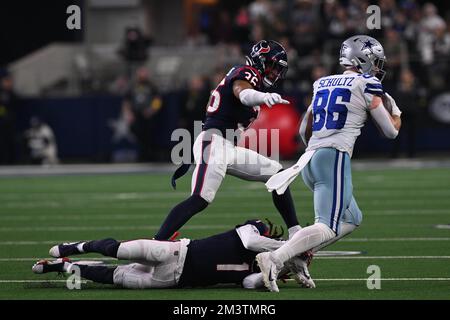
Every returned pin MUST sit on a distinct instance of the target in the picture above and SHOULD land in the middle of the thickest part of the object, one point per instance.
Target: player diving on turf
(234, 105)
(338, 111)
(228, 257)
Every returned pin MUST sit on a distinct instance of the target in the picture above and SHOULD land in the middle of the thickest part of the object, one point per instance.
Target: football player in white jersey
(340, 107)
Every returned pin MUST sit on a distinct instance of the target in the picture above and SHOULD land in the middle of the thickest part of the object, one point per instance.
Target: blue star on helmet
(367, 45)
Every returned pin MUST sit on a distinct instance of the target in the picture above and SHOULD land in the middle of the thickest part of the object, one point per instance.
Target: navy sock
(107, 247)
(285, 205)
(99, 274)
(179, 215)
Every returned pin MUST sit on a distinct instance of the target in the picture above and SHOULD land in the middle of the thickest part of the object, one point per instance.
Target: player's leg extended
(206, 179)
(350, 221)
(99, 274)
(107, 247)
(252, 166)
(352, 216)
(327, 171)
(161, 263)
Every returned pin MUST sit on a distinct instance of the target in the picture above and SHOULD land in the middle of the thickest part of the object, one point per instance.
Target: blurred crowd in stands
(415, 35)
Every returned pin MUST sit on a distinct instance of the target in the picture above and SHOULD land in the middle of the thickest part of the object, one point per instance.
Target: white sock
(80, 246)
(293, 230)
(303, 240)
(344, 229)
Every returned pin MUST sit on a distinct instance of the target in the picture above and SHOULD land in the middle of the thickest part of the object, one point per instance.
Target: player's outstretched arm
(250, 97)
(253, 241)
(388, 123)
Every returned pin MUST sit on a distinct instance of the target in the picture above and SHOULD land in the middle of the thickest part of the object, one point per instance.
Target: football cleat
(65, 249)
(45, 266)
(299, 268)
(269, 269)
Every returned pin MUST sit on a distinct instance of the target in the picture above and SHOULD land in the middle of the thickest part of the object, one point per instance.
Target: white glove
(251, 97)
(271, 99)
(395, 109)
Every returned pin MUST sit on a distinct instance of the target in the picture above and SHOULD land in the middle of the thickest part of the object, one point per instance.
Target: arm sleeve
(254, 241)
(383, 120)
(251, 97)
(304, 125)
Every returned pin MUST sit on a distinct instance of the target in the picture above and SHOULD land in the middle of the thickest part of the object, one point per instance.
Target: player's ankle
(293, 230)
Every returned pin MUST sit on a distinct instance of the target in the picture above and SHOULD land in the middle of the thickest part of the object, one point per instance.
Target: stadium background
(76, 81)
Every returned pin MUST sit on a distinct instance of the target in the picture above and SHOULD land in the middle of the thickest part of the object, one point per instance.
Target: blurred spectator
(396, 51)
(8, 106)
(429, 24)
(142, 102)
(439, 69)
(41, 143)
(407, 96)
(260, 10)
(196, 99)
(304, 18)
(242, 26)
(134, 48)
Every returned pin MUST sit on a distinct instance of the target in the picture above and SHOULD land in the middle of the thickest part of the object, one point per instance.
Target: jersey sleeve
(254, 241)
(372, 86)
(246, 73)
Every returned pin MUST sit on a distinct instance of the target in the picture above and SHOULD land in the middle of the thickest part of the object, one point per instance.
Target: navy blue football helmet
(270, 59)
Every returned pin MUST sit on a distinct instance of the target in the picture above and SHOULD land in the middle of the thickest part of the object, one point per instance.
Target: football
(387, 103)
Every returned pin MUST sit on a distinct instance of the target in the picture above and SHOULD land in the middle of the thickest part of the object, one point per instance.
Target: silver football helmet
(365, 53)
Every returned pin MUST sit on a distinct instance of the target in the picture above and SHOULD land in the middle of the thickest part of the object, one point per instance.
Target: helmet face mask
(270, 59)
(274, 71)
(364, 53)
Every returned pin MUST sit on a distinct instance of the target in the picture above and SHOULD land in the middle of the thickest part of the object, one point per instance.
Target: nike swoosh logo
(270, 274)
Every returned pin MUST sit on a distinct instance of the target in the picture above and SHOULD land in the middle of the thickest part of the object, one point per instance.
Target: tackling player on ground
(233, 106)
(228, 257)
(339, 109)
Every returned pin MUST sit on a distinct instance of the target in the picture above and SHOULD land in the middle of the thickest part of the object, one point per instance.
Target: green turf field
(400, 207)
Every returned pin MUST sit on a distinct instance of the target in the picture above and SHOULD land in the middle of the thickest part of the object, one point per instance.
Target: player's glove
(271, 99)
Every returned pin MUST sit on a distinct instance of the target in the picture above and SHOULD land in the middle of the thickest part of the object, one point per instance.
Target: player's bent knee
(129, 277)
(353, 214)
(327, 232)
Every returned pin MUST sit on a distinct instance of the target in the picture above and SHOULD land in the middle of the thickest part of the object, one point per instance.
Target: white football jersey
(340, 105)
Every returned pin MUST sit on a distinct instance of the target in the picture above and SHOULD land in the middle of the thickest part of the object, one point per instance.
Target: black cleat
(65, 249)
(45, 266)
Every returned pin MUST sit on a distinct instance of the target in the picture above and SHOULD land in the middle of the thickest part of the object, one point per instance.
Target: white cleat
(269, 270)
(299, 267)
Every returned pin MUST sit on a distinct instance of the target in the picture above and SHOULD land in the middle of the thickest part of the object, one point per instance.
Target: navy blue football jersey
(224, 110)
(218, 259)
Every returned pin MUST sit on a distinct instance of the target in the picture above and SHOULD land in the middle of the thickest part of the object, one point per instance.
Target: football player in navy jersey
(228, 257)
(233, 106)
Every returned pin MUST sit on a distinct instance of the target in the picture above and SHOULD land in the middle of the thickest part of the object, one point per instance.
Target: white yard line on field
(67, 217)
(106, 228)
